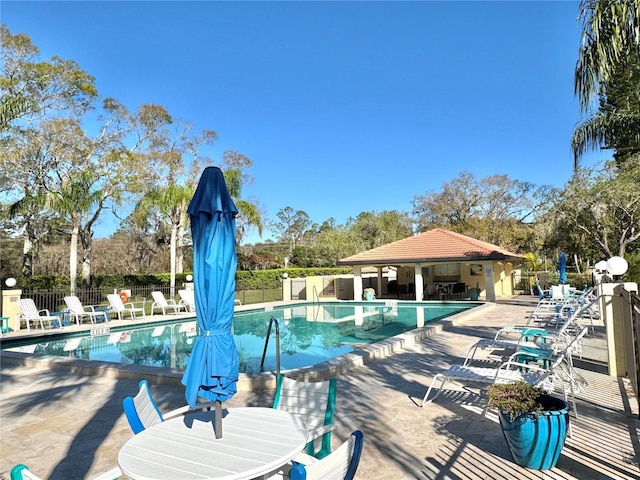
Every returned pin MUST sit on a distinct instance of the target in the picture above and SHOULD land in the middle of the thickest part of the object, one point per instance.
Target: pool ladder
(272, 321)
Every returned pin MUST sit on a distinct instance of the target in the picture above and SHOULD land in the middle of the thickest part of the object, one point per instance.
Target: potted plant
(369, 294)
(533, 422)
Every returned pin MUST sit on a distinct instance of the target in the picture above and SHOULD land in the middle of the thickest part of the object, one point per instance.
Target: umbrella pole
(218, 421)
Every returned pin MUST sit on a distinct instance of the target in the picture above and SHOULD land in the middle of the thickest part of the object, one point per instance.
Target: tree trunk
(73, 255)
(87, 242)
(180, 250)
(27, 258)
(174, 236)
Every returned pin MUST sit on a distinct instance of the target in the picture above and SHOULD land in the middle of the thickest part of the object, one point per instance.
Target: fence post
(11, 307)
(616, 313)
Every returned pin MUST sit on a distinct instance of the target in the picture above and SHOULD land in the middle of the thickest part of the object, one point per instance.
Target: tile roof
(437, 245)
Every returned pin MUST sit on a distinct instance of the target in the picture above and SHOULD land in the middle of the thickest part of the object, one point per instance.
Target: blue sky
(343, 107)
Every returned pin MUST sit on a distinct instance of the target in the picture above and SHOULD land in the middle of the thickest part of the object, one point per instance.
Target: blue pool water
(309, 334)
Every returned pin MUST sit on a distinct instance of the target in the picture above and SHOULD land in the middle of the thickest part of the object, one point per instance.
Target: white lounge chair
(536, 338)
(513, 371)
(162, 303)
(117, 306)
(78, 311)
(30, 314)
(187, 299)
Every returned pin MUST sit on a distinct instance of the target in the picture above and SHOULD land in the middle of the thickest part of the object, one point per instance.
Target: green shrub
(516, 399)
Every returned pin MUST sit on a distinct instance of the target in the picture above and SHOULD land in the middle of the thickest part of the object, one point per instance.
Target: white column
(357, 283)
(11, 307)
(286, 289)
(612, 308)
(418, 282)
(489, 283)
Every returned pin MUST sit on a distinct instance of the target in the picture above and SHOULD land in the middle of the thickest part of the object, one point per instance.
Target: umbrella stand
(218, 420)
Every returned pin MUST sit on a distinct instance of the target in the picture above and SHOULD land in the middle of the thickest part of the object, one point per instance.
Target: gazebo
(442, 260)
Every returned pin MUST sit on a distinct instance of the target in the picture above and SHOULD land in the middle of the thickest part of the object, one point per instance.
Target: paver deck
(71, 426)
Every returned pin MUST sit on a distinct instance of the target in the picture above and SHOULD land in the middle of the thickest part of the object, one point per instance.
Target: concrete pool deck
(67, 424)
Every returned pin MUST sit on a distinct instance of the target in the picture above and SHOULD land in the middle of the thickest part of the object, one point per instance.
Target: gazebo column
(357, 282)
(379, 292)
(419, 283)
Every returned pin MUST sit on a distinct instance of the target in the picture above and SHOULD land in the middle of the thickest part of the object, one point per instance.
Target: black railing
(53, 300)
(635, 328)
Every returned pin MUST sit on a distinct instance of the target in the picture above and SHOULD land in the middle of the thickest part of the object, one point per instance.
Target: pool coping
(248, 381)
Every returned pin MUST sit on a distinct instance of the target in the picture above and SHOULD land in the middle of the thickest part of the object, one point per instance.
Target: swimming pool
(309, 334)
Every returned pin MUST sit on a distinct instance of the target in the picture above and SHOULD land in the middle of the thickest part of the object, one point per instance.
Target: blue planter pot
(536, 442)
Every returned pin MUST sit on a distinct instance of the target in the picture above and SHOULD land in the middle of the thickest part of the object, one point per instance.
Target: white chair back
(74, 305)
(158, 297)
(116, 302)
(28, 308)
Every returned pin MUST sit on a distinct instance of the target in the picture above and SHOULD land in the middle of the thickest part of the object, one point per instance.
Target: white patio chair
(78, 311)
(30, 314)
(513, 370)
(341, 464)
(536, 338)
(159, 301)
(314, 402)
(117, 306)
(142, 412)
(187, 299)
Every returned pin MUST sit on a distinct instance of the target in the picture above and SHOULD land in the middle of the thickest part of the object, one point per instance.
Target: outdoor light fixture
(601, 266)
(285, 275)
(10, 282)
(189, 278)
(617, 266)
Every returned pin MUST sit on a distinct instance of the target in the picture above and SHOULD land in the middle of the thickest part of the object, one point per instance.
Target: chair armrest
(304, 459)
(533, 331)
(112, 474)
(187, 409)
(319, 431)
(45, 311)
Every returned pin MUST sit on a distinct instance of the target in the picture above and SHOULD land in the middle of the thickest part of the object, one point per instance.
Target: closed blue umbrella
(563, 268)
(213, 369)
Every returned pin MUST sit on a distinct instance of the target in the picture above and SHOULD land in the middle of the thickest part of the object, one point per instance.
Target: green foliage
(61, 282)
(259, 279)
(599, 208)
(493, 209)
(608, 66)
(633, 274)
(516, 399)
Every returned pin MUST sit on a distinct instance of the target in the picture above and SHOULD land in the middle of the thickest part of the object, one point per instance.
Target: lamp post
(617, 266)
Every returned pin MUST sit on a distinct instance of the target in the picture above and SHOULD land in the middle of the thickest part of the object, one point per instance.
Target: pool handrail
(272, 321)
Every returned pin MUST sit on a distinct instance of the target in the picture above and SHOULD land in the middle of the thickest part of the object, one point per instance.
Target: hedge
(245, 279)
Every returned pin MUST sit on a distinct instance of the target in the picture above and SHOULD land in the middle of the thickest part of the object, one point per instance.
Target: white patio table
(255, 442)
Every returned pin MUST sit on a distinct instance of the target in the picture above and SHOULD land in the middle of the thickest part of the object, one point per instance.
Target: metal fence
(524, 282)
(53, 300)
(634, 368)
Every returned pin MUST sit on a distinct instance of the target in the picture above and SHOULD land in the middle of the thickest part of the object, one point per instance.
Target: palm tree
(610, 30)
(608, 62)
(171, 202)
(249, 215)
